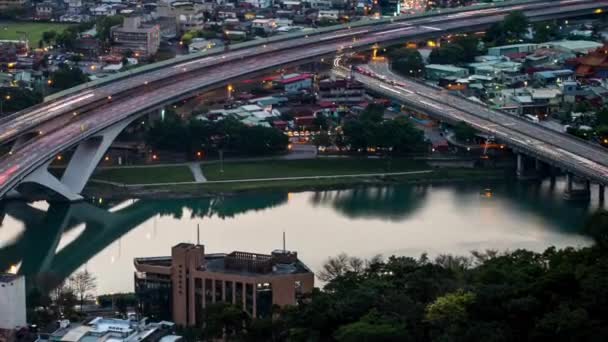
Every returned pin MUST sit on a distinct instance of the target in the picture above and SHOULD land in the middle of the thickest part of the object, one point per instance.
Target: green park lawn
(146, 175)
(308, 167)
(10, 30)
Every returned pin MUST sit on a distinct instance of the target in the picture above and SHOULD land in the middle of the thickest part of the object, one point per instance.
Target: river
(52, 241)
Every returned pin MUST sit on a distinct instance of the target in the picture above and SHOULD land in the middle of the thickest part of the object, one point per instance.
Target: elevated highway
(561, 150)
(92, 118)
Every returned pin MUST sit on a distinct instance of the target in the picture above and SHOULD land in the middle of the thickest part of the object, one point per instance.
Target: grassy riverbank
(146, 175)
(309, 168)
(275, 175)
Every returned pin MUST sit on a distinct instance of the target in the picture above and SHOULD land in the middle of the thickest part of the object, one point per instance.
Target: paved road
(195, 168)
(76, 104)
(255, 180)
(554, 147)
(196, 75)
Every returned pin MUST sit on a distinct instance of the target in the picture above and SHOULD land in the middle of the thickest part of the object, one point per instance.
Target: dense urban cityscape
(303, 170)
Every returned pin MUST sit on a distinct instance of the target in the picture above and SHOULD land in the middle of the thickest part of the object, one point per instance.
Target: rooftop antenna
(284, 250)
(198, 235)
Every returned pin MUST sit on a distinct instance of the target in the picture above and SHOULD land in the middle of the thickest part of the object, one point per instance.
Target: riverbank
(292, 176)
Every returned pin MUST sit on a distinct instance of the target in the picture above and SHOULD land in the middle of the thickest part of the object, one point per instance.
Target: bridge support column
(576, 194)
(88, 154)
(82, 164)
(521, 167)
(43, 177)
(539, 166)
(522, 172)
(601, 193)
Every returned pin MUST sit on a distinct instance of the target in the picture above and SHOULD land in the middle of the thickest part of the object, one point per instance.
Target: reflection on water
(50, 242)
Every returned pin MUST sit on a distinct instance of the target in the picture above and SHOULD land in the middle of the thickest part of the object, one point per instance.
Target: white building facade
(12, 301)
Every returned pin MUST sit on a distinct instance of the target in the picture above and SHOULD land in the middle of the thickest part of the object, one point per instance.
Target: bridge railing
(304, 33)
(565, 164)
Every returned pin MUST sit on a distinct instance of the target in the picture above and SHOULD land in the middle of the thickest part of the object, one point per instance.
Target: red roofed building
(293, 83)
(304, 121)
(594, 64)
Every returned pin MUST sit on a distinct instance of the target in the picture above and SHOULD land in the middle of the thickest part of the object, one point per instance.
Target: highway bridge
(91, 118)
(563, 151)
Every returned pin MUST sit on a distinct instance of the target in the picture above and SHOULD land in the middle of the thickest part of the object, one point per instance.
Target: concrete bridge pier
(575, 193)
(523, 173)
(601, 193)
(88, 154)
(81, 166)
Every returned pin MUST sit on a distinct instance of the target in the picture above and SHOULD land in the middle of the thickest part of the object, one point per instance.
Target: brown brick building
(189, 280)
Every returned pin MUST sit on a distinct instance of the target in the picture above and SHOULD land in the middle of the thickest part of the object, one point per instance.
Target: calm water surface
(55, 241)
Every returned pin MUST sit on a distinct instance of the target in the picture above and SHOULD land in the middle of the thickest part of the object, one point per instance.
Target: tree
(339, 265)
(601, 116)
(515, 25)
(83, 283)
(321, 121)
(545, 31)
(17, 98)
(450, 54)
(495, 34)
(67, 38)
(372, 113)
(67, 77)
(407, 62)
(464, 132)
(223, 319)
(48, 36)
(104, 25)
(187, 38)
(449, 308)
(597, 227)
(365, 331)
(322, 139)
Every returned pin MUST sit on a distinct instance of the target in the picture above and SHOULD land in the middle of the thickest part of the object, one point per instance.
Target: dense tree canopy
(461, 50)
(17, 98)
(371, 131)
(67, 77)
(229, 135)
(407, 61)
(556, 295)
(513, 28)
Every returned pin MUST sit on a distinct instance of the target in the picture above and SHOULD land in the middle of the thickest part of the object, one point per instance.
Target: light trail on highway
(25, 120)
(40, 150)
(550, 146)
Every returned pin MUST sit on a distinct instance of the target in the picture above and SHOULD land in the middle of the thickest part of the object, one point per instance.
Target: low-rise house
(48, 9)
(574, 46)
(293, 83)
(328, 15)
(514, 48)
(435, 72)
(592, 65)
(103, 11)
(548, 77)
(265, 25)
(259, 3)
(111, 329)
(341, 91)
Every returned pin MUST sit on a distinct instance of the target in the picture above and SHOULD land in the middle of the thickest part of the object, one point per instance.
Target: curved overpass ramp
(93, 131)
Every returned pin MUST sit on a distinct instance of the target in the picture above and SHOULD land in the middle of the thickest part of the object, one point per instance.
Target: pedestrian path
(195, 168)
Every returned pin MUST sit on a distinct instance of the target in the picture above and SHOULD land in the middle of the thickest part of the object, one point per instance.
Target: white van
(532, 118)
